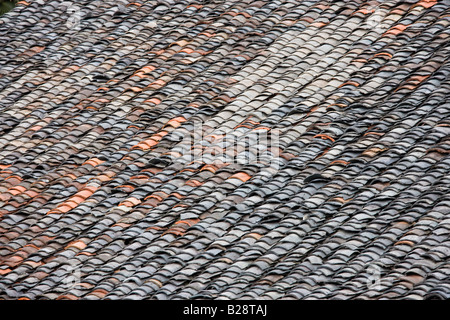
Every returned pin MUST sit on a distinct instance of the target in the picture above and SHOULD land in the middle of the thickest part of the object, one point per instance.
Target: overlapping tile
(132, 165)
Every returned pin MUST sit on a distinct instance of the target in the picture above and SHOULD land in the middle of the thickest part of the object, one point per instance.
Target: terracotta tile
(397, 29)
(4, 271)
(80, 245)
(241, 176)
(426, 3)
(324, 137)
(68, 297)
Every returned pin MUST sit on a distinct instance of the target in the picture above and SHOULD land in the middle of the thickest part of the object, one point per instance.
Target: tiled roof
(101, 199)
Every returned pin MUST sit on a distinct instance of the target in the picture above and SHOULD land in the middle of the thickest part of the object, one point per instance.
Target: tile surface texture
(100, 198)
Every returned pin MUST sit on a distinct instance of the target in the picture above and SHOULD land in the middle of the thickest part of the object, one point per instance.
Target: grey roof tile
(95, 174)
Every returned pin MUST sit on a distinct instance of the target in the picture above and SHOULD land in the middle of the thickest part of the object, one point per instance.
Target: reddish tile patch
(374, 133)
(122, 225)
(364, 11)
(209, 35)
(241, 176)
(17, 190)
(426, 3)
(340, 161)
(156, 228)
(176, 122)
(80, 245)
(157, 84)
(417, 79)
(33, 264)
(74, 201)
(177, 195)
(341, 200)
(324, 137)
(187, 50)
(159, 195)
(319, 24)
(135, 89)
(353, 83)
(37, 49)
(100, 293)
(154, 101)
(70, 69)
(93, 162)
(157, 282)
(4, 271)
(130, 202)
(68, 297)
(189, 222)
(382, 54)
(373, 151)
(194, 183)
(397, 29)
(405, 242)
(85, 253)
(253, 235)
(178, 231)
(146, 69)
(13, 261)
(151, 142)
(196, 6)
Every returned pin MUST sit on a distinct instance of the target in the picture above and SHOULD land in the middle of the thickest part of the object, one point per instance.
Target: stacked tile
(100, 198)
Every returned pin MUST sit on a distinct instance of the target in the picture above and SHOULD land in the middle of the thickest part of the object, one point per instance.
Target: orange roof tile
(80, 245)
(241, 176)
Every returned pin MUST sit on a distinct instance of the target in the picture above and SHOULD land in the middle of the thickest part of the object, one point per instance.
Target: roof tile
(136, 151)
